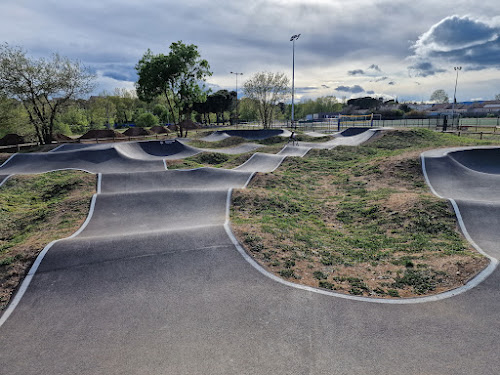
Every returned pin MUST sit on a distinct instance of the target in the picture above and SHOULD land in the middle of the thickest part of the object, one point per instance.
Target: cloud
(381, 79)
(119, 72)
(457, 40)
(356, 89)
(392, 83)
(374, 67)
(356, 72)
(371, 92)
(424, 69)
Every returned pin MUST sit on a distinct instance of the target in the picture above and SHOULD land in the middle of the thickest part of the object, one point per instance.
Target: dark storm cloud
(356, 89)
(424, 69)
(374, 67)
(457, 40)
(118, 72)
(356, 72)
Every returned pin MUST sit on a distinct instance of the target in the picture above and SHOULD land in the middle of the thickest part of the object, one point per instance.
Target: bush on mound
(11, 139)
(133, 132)
(102, 133)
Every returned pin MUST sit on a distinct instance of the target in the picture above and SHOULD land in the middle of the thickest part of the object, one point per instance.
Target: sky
(395, 49)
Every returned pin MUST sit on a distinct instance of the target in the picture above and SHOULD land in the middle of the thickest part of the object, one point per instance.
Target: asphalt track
(252, 135)
(154, 284)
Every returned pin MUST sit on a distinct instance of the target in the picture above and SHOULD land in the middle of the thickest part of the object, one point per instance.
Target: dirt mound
(58, 137)
(158, 129)
(188, 125)
(133, 132)
(102, 133)
(11, 139)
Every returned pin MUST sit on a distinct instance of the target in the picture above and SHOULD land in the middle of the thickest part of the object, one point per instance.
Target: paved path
(154, 285)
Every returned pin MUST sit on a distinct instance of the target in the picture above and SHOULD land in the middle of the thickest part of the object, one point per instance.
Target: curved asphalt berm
(470, 177)
(153, 285)
(252, 135)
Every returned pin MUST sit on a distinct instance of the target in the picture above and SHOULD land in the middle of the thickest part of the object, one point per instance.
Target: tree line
(42, 97)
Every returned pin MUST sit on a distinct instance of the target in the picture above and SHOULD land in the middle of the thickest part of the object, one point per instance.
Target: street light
(293, 39)
(236, 74)
(457, 69)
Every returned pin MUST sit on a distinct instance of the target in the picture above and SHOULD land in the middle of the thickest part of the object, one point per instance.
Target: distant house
(469, 108)
(321, 116)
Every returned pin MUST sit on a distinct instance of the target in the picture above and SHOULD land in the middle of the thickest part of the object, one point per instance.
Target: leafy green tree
(440, 96)
(220, 102)
(42, 85)
(267, 90)
(326, 104)
(177, 76)
(146, 120)
(125, 102)
(248, 110)
(74, 118)
(14, 119)
(101, 111)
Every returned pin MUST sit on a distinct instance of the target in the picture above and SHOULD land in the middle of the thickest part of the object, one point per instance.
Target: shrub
(146, 119)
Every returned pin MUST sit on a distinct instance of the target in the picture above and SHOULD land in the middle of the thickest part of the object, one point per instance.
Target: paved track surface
(154, 285)
(247, 134)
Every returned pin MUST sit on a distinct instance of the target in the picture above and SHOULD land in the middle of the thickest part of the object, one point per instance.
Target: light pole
(293, 39)
(457, 69)
(236, 74)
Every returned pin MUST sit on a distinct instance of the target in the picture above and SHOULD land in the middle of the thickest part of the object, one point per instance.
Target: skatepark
(155, 283)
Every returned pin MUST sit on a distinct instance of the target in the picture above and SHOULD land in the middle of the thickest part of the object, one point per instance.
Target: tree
(247, 109)
(43, 86)
(176, 76)
(101, 111)
(497, 97)
(146, 120)
(439, 96)
(74, 118)
(13, 118)
(267, 89)
(220, 102)
(125, 102)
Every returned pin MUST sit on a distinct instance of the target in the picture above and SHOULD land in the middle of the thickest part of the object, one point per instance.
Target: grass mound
(359, 220)
(35, 210)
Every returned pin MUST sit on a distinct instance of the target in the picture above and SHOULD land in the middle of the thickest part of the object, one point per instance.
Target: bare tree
(267, 89)
(43, 86)
(439, 96)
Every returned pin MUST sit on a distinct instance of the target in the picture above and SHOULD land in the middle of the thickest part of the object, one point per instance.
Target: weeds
(359, 211)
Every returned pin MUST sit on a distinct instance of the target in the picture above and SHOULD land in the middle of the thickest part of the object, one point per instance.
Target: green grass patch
(35, 210)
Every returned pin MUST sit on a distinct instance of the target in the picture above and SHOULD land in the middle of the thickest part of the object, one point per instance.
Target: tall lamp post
(293, 39)
(236, 74)
(457, 69)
